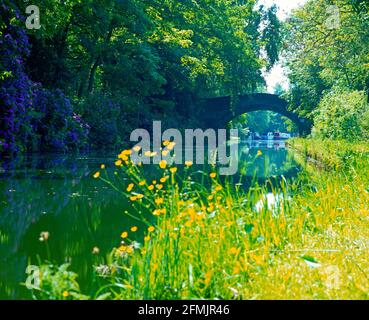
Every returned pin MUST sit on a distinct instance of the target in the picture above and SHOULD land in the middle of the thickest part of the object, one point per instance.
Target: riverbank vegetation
(213, 240)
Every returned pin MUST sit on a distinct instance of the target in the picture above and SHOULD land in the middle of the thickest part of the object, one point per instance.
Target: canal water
(82, 216)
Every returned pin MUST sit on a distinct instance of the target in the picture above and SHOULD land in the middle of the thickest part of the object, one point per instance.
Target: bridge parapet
(216, 112)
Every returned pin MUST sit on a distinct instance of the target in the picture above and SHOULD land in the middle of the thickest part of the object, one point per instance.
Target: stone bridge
(216, 112)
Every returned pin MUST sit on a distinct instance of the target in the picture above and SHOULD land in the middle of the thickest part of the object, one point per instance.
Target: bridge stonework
(216, 112)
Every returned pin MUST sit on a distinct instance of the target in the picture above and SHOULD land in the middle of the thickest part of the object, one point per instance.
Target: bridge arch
(216, 112)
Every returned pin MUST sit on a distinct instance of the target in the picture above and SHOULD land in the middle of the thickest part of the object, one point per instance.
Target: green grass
(208, 241)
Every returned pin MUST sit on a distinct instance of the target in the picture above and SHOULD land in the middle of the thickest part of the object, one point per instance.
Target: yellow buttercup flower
(118, 163)
(159, 186)
(65, 294)
(171, 146)
(159, 201)
(173, 170)
(234, 251)
(133, 198)
(123, 157)
(126, 152)
(142, 183)
(147, 238)
(124, 235)
(122, 248)
(137, 148)
(96, 175)
(134, 229)
(260, 153)
(188, 163)
(166, 143)
(163, 164)
(150, 229)
(147, 153)
(164, 179)
(139, 196)
(150, 187)
(130, 187)
(165, 153)
(213, 175)
(102, 166)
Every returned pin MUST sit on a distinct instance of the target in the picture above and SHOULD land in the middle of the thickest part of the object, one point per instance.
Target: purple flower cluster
(31, 117)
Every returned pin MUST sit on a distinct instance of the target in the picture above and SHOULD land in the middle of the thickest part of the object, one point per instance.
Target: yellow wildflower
(165, 153)
(260, 153)
(96, 175)
(136, 148)
(159, 201)
(163, 164)
(118, 163)
(130, 187)
(213, 175)
(102, 166)
(173, 170)
(159, 186)
(147, 238)
(122, 248)
(65, 294)
(124, 235)
(151, 187)
(188, 163)
(126, 152)
(123, 157)
(134, 229)
(171, 146)
(147, 153)
(151, 229)
(164, 179)
(142, 183)
(234, 251)
(166, 143)
(133, 198)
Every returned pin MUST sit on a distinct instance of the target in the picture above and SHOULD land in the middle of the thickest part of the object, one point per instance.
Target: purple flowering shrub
(31, 117)
(15, 86)
(55, 125)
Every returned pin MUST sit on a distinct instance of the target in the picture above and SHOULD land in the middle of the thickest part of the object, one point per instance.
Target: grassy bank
(214, 240)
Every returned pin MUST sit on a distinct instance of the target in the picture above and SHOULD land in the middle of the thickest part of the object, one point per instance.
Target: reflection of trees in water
(274, 161)
(50, 195)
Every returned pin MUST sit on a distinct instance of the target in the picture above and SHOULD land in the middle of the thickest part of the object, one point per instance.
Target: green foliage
(49, 282)
(322, 56)
(263, 122)
(340, 116)
(151, 57)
